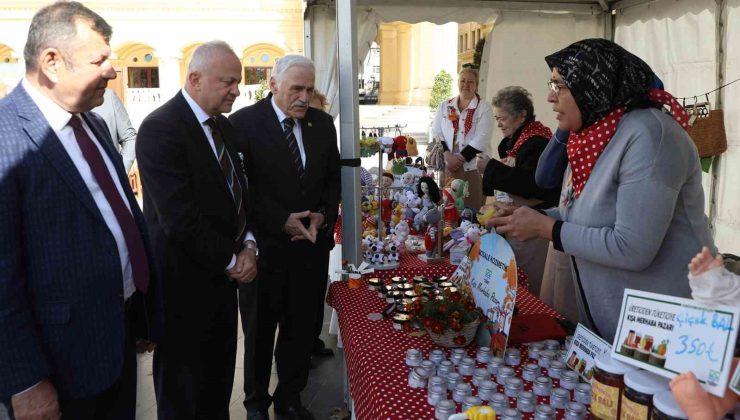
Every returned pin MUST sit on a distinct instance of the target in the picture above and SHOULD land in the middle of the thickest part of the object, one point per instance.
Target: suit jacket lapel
(41, 134)
(309, 146)
(276, 135)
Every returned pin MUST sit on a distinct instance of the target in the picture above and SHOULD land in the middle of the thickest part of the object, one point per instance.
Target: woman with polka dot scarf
(632, 206)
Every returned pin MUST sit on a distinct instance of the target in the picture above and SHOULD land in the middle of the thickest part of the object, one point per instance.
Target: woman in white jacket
(464, 124)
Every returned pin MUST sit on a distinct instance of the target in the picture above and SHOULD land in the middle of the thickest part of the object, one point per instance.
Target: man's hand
(38, 403)
(145, 346)
(523, 224)
(294, 227)
(453, 162)
(317, 221)
(245, 269)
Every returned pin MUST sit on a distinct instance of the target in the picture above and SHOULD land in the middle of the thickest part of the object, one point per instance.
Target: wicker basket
(708, 132)
(446, 339)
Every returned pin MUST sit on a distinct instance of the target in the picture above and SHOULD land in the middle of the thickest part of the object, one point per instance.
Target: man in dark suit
(293, 167)
(78, 292)
(195, 203)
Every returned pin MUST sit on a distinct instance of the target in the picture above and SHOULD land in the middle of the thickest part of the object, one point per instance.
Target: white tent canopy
(684, 41)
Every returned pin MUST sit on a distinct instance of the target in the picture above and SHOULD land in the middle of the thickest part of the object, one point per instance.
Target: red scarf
(533, 129)
(452, 116)
(584, 148)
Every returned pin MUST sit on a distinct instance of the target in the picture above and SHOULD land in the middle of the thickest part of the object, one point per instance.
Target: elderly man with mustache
(292, 164)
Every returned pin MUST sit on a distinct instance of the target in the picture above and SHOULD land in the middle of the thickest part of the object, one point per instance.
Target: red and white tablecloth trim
(375, 352)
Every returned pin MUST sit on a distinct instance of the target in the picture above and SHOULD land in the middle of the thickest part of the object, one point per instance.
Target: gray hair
(284, 63)
(204, 54)
(54, 26)
(515, 100)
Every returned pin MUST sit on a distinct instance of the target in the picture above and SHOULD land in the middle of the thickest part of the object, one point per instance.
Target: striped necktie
(227, 167)
(288, 124)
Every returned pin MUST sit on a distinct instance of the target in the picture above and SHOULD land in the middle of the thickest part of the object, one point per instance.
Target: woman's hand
(453, 162)
(523, 224)
(481, 161)
(503, 209)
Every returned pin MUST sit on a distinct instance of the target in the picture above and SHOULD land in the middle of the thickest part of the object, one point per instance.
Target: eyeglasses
(556, 86)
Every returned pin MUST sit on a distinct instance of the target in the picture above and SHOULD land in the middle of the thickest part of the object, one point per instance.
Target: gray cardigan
(640, 218)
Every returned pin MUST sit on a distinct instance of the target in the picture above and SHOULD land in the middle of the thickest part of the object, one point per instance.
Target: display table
(374, 351)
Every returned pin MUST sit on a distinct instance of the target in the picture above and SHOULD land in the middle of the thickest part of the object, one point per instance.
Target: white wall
(677, 38)
(518, 45)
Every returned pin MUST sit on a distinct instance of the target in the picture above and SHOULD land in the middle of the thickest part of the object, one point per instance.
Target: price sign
(669, 335)
(583, 351)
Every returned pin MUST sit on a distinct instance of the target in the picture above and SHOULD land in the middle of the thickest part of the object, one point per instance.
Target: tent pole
(721, 57)
(349, 128)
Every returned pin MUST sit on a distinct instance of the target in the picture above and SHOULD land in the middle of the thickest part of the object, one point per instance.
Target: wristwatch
(252, 245)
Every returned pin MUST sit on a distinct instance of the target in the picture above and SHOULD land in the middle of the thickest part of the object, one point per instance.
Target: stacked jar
(637, 398)
(666, 408)
(607, 386)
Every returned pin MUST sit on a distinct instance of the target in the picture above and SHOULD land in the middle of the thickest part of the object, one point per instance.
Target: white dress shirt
(58, 120)
(479, 136)
(202, 118)
(296, 129)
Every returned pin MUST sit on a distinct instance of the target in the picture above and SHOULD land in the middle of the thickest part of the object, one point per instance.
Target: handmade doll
(407, 181)
(429, 193)
(411, 146)
(432, 217)
(451, 215)
(711, 284)
(399, 147)
(459, 190)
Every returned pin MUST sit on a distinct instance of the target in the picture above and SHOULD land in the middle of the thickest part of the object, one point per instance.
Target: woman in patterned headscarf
(631, 211)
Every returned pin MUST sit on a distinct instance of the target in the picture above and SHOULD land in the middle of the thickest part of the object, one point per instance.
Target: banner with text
(668, 335)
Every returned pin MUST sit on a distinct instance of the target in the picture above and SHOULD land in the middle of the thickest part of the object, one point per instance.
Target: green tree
(441, 89)
(478, 54)
(261, 90)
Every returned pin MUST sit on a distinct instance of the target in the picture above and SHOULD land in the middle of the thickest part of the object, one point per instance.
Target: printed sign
(489, 273)
(583, 351)
(669, 335)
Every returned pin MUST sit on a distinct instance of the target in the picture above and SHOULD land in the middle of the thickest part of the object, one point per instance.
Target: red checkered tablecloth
(375, 352)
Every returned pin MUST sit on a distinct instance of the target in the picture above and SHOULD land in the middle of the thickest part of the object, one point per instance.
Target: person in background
(623, 148)
(196, 206)
(519, 150)
(119, 125)
(79, 293)
(293, 167)
(464, 125)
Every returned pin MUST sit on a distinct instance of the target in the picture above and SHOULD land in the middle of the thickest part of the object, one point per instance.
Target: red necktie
(131, 233)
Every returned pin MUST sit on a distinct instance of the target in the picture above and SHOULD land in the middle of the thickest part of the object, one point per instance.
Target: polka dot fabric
(584, 148)
(374, 351)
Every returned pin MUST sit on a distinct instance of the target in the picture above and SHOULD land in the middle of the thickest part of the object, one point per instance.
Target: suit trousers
(322, 280)
(115, 403)
(287, 296)
(194, 375)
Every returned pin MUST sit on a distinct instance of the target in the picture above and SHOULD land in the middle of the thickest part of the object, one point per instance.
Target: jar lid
(445, 404)
(645, 382)
(487, 384)
(615, 367)
(401, 318)
(666, 404)
(375, 281)
(472, 400)
(514, 382)
(505, 371)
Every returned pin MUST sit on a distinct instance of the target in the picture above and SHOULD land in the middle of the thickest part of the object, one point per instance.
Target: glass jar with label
(607, 386)
(526, 401)
(665, 407)
(637, 398)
